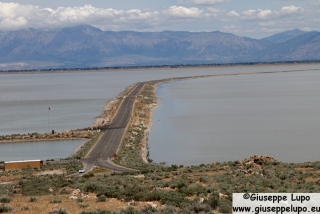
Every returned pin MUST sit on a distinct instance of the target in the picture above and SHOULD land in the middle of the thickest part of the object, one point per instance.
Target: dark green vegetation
(4, 208)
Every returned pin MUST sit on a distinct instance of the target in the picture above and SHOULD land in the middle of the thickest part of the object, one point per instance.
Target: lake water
(77, 98)
(38, 150)
(233, 117)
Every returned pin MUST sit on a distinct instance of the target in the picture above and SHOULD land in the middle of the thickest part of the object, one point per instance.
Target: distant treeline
(161, 66)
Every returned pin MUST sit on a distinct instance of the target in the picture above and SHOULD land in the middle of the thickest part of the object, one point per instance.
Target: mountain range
(86, 47)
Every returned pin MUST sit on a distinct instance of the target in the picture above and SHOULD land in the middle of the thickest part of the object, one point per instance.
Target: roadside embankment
(133, 151)
(65, 135)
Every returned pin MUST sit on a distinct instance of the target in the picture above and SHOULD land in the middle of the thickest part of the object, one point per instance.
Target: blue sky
(252, 18)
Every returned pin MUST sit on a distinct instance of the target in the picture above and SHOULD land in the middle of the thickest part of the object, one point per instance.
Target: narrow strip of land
(110, 140)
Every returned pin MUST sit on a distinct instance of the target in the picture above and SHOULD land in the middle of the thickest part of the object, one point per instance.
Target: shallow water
(233, 117)
(40, 150)
(77, 98)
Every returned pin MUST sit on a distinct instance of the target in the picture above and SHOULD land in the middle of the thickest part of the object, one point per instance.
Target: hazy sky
(252, 18)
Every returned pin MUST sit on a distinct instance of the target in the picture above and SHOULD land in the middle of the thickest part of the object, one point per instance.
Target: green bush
(5, 199)
(204, 179)
(131, 210)
(225, 207)
(198, 207)
(65, 192)
(6, 189)
(213, 200)
(56, 201)
(172, 198)
(25, 208)
(88, 175)
(83, 205)
(59, 211)
(36, 186)
(92, 187)
(97, 212)
(101, 198)
(32, 199)
(5, 209)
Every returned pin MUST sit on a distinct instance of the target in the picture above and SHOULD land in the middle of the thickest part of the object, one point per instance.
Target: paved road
(109, 142)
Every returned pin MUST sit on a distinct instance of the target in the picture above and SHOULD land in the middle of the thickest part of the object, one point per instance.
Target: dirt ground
(70, 203)
(73, 202)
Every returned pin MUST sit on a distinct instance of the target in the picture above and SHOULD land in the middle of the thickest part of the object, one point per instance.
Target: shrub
(65, 192)
(131, 210)
(4, 209)
(5, 199)
(204, 179)
(88, 175)
(171, 198)
(32, 199)
(36, 186)
(96, 212)
(101, 198)
(59, 211)
(25, 208)
(213, 200)
(6, 189)
(169, 210)
(198, 207)
(225, 207)
(91, 187)
(83, 205)
(56, 201)
(148, 209)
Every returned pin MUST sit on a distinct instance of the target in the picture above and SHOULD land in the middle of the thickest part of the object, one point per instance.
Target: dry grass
(43, 204)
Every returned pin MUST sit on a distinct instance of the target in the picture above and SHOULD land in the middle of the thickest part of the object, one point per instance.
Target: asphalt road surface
(110, 140)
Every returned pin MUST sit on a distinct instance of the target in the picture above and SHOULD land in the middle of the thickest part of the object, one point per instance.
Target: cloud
(177, 17)
(291, 10)
(208, 2)
(183, 12)
(233, 14)
(257, 14)
(15, 16)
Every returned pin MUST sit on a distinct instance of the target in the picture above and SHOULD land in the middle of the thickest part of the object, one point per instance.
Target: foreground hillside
(155, 189)
(86, 46)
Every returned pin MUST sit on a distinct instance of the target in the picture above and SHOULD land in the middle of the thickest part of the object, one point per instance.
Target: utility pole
(49, 109)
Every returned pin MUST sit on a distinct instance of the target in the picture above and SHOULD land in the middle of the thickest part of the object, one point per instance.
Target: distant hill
(302, 47)
(284, 36)
(86, 46)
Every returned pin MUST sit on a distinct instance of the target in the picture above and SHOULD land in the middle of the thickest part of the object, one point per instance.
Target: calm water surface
(233, 117)
(38, 150)
(77, 98)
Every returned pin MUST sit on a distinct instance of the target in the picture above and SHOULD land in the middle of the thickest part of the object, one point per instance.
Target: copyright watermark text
(276, 203)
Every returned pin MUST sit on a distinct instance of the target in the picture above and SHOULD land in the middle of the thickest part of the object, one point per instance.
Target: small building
(13, 165)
